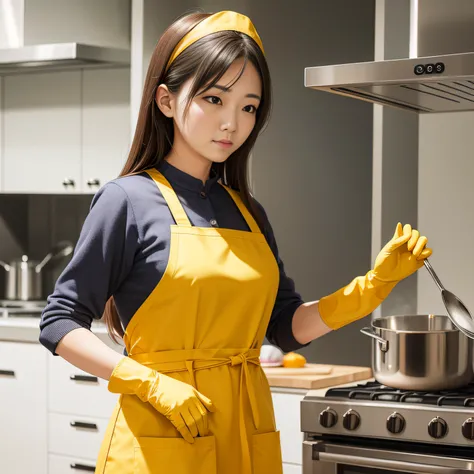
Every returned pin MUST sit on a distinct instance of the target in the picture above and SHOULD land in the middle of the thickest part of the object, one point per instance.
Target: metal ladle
(457, 311)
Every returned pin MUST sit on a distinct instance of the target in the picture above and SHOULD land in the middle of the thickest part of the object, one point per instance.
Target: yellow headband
(221, 21)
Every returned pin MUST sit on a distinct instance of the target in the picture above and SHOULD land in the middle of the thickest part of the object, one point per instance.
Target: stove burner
(462, 397)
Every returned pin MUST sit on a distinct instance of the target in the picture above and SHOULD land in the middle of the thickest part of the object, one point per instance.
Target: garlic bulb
(271, 356)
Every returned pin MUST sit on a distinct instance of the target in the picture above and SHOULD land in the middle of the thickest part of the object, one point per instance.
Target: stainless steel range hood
(422, 85)
(38, 35)
(59, 56)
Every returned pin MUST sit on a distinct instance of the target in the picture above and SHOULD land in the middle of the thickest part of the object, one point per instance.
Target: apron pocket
(266, 453)
(175, 456)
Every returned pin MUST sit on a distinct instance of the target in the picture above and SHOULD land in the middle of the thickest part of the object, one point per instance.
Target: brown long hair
(205, 61)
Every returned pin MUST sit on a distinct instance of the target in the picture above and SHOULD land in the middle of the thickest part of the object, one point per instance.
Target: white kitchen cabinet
(66, 464)
(42, 133)
(75, 392)
(64, 131)
(286, 403)
(73, 435)
(23, 410)
(292, 468)
(106, 125)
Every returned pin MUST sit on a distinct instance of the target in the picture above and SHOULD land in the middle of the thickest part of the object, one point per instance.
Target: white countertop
(26, 329)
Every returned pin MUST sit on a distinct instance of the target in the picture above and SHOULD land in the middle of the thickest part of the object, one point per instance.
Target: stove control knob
(351, 420)
(468, 429)
(328, 418)
(437, 428)
(395, 423)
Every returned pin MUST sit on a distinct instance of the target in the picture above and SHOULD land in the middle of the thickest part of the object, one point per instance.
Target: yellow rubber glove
(402, 256)
(180, 402)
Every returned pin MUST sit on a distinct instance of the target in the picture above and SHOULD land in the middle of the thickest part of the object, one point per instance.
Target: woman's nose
(229, 122)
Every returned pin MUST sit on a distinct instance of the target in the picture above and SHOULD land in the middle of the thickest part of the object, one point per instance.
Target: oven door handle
(403, 466)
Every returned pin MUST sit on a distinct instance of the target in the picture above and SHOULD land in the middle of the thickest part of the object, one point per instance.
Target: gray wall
(312, 168)
(445, 206)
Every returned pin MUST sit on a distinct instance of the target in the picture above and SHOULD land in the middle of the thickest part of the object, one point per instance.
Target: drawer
(292, 469)
(288, 422)
(69, 465)
(82, 440)
(71, 390)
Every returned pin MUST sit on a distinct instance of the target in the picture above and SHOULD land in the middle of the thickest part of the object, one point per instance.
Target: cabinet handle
(82, 467)
(93, 182)
(68, 182)
(9, 373)
(84, 378)
(81, 424)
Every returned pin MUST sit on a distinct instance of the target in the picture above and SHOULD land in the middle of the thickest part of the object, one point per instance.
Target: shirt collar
(177, 177)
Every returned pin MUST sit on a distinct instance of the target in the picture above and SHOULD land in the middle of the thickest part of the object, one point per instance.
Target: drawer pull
(82, 467)
(81, 424)
(84, 378)
(9, 373)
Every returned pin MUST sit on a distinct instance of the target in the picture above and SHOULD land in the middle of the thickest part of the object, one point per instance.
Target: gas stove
(373, 409)
(383, 429)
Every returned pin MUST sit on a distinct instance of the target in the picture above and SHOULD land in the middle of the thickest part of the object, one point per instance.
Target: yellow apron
(203, 324)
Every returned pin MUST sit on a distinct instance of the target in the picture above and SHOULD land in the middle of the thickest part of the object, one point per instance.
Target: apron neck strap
(243, 209)
(171, 199)
(177, 210)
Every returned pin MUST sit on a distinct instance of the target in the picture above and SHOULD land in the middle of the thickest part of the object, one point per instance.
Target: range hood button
(419, 69)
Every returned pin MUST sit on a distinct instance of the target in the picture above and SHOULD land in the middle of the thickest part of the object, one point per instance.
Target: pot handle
(61, 249)
(382, 342)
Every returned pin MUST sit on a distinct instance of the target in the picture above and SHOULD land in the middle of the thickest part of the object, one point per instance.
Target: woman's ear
(164, 100)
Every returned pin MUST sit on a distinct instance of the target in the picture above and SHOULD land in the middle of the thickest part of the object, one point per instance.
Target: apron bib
(203, 324)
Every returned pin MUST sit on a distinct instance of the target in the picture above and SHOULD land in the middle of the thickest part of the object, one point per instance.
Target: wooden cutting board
(314, 376)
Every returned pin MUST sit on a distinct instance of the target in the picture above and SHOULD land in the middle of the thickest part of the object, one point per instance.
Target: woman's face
(218, 114)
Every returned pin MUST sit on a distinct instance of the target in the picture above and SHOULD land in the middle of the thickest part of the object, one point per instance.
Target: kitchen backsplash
(32, 224)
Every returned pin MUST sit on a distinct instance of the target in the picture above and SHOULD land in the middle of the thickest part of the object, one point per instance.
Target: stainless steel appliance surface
(420, 352)
(373, 429)
(432, 73)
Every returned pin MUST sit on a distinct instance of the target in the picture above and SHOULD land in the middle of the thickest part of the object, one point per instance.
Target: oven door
(321, 457)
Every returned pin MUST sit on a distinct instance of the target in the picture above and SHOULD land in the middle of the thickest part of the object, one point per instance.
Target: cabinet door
(23, 427)
(64, 465)
(106, 125)
(288, 421)
(71, 390)
(42, 133)
(292, 469)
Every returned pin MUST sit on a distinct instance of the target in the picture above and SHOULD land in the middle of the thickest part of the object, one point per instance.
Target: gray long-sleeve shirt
(123, 251)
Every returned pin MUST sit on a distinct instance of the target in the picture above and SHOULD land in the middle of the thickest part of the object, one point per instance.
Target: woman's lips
(224, 144)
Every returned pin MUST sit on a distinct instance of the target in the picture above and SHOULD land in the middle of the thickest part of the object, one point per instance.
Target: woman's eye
(254, 109)
(212, 99)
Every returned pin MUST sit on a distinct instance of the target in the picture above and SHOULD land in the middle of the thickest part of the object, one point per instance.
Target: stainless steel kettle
(25, 278)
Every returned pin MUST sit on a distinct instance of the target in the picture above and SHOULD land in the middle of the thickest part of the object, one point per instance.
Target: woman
(179, 243)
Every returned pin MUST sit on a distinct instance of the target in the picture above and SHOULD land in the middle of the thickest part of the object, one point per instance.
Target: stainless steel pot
(25, 278)
(420, 352)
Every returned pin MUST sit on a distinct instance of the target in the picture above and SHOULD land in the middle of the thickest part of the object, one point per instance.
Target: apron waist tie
(198, 359)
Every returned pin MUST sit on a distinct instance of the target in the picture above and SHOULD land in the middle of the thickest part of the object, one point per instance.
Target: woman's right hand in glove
(181, 403)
